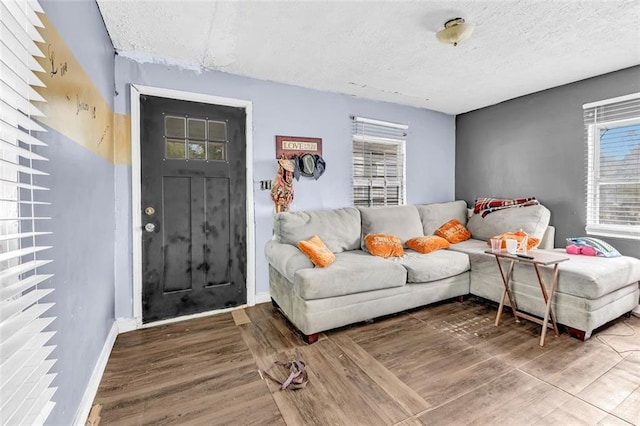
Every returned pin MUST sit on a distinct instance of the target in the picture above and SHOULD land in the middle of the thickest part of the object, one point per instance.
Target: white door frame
(136, 187)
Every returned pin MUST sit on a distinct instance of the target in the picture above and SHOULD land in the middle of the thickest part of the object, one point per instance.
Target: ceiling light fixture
(455, 30)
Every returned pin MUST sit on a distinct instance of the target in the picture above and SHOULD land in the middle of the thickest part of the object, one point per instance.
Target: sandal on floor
(297, 368)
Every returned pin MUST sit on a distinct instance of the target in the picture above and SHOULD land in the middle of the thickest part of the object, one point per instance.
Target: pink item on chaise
(583, 250)
(573, 249)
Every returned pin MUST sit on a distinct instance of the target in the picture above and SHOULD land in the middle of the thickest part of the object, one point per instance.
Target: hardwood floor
(445, 364)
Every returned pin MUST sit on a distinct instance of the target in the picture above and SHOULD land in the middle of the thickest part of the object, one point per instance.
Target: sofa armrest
(547, 242)
(286, 259)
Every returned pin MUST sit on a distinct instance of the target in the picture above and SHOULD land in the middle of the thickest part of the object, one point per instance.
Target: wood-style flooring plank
(513, 398)
(622, 335)
(437, 387)
(318, 402)
(573, 367)
(211, 405)
(614, 386)
(518, 345)
(578, 375)
(435, 311)
(411, 421)
(260, 311)
(611, 420)
(406, 397)
(378, 329)
(575, 412)
(240, 317)
(629, 409)
(407, 349)
(351, 387)
(482, 402)
(311, 405)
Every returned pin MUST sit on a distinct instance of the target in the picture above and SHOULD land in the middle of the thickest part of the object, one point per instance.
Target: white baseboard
(96, 376)
(263, 297)
(127, 324)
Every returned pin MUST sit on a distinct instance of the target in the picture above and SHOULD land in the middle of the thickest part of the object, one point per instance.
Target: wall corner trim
(263, 297)
(127, 324)
(96, 376)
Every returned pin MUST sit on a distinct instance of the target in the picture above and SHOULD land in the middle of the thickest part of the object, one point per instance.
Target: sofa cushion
(401, 221)
(428, 243)
(531, 219)
(424, 268)
(433, 216)
(315, 249)
(352, 272)
(339, 228)
(453, 231)
(383, 245)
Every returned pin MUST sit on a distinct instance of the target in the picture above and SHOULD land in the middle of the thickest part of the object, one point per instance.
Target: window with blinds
(25, 362)
(378, 163)
(612, 135)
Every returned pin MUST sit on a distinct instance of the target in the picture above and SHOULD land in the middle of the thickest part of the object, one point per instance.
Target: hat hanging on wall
(307, 164)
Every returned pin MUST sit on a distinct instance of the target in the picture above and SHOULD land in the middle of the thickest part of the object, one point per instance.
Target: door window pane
(216, 151)
(175, 149)
(174, 127)
(197, 129)
(197, 151)
(217, 131)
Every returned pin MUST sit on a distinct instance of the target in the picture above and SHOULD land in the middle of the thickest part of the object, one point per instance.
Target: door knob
(149, 227)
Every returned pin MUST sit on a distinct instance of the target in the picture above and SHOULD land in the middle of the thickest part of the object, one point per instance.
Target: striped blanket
(484, 206)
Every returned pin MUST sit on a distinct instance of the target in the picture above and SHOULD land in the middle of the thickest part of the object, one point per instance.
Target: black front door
(193, 207)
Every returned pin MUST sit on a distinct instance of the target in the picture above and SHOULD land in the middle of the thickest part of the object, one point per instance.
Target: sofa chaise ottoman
(359, 286)
(591, 291)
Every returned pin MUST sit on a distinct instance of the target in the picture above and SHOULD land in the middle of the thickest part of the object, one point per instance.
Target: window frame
(594, 182)
(399, 183)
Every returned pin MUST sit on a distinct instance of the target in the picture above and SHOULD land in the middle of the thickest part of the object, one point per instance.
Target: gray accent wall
(280, 109)
(534, 146)
(83, 224)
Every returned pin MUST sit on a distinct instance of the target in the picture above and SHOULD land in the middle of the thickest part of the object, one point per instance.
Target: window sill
(624, 232)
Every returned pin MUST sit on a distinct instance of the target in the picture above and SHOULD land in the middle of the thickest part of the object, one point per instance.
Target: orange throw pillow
(316, 251)
(453, 231)
(532, 242)
(428, 244)
(384, 245)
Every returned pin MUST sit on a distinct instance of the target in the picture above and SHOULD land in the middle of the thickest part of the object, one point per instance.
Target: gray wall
(534, 146)
(280, 109)
(83, 223)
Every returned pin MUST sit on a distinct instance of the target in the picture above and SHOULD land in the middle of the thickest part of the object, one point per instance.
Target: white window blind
(378, 162)
(612, 135)
(25, 363)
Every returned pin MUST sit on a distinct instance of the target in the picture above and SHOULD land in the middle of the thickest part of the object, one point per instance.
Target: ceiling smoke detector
(455, 30)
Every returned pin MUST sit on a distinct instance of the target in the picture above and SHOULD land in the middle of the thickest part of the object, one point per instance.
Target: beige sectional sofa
(359, 286)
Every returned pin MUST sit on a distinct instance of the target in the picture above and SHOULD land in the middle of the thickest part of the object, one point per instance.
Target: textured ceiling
(388, 50)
